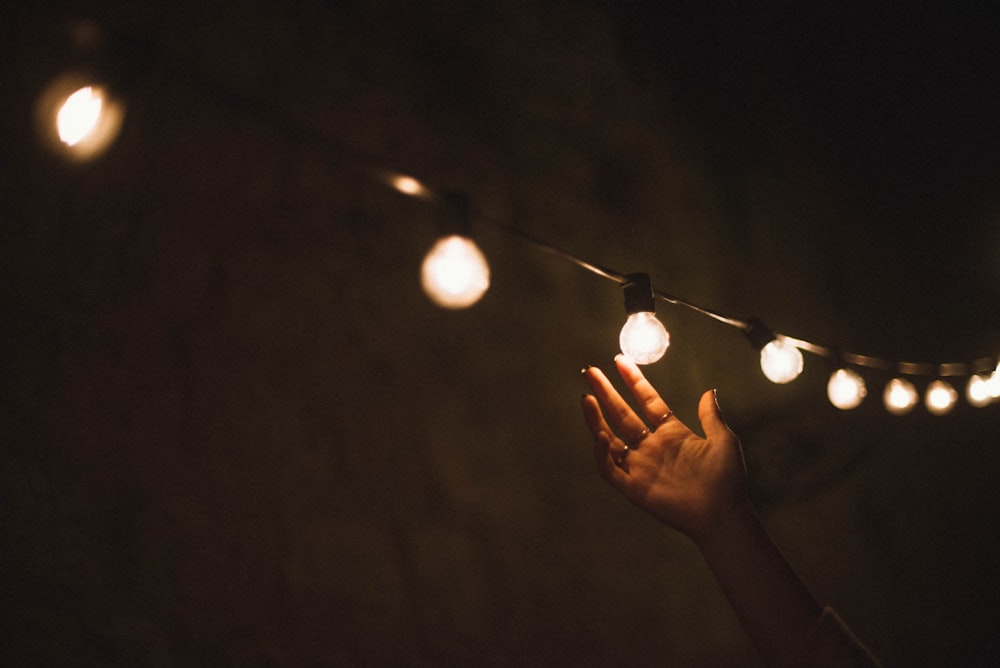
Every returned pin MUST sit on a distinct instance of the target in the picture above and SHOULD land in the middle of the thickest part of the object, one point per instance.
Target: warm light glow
(846, 389)
(781, 361)
(977, 392)
(993, 384)
(940, 397)
(78, 115)
(409, 186)
(455, 273)
(644, 338)
(900, 396)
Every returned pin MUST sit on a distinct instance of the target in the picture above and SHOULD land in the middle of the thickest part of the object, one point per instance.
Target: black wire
(603, 272)
(365, 165)
(906, 368)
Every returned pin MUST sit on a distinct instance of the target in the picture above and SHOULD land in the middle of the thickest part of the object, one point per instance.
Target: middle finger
(656, 409)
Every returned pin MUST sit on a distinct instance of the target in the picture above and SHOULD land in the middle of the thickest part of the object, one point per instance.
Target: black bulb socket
(758, 333)
(639, 296)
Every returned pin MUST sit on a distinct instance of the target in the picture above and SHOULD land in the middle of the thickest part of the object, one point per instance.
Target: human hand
(692, 484)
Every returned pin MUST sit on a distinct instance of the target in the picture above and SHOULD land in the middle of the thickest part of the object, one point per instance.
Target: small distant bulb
(993, 384)
(79, 114)
(455, 273)
(409, 186)
(977, 392)
(846, 389)
(900, 396)
(940, 397)
(781, 361)
(644, 338)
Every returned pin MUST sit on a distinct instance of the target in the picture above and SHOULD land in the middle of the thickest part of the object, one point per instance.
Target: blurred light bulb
(846, 389)
(644, 338)
(409, 186)
(940, 397)
(78, 115)
(455, 273)
(900, 396)
(977, 392)
(781, 361)
(993, 384)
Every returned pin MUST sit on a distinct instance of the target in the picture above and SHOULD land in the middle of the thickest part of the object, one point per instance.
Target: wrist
(767, 596)
(736, 526)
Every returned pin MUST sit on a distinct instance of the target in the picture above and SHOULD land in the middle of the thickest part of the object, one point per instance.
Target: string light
(977, 391)
(993, 384)
(643, 337)
(455, 273)
(900, 396)
(409, 186)
(846, 389)
(780, 359)
(940, 397)
(79, 116)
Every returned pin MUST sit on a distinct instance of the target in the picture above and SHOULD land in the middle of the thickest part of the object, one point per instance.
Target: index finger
(623, 419)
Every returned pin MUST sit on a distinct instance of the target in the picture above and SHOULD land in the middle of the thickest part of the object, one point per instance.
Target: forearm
(772, 603)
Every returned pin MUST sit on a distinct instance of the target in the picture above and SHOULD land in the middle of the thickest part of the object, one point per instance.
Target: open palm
(687, 481)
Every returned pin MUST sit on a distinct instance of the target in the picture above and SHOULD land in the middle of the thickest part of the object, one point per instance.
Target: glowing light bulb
(455, 273)
(940, 397)
(409, 186)
(977, 392)
(846, 389)
(644, 338)
(78, 117)
(781, 361)
(993, 384)
(79, 114)
(900, 396)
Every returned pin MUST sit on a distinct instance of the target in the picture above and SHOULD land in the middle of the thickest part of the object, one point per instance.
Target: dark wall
(235, 432)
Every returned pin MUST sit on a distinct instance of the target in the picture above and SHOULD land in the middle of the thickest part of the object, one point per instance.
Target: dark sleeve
(832, 645)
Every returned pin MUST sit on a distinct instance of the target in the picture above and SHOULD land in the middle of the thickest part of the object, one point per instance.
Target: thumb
(710, 416)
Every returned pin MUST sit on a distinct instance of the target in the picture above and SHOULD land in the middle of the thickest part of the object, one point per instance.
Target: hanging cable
(455, 266)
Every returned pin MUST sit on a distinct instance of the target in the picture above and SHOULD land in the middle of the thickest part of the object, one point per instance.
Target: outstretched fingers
(624, 422)
(608, 449)
(652, 405)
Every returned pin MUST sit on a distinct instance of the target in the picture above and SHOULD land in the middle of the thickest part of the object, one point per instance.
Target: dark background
(235, 432)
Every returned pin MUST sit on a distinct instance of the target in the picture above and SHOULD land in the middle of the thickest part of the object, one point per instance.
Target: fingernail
(715, 395)
(586, 368)
(583, 397)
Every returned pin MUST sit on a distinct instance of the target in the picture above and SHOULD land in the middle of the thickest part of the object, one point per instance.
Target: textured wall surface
(233, 431)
